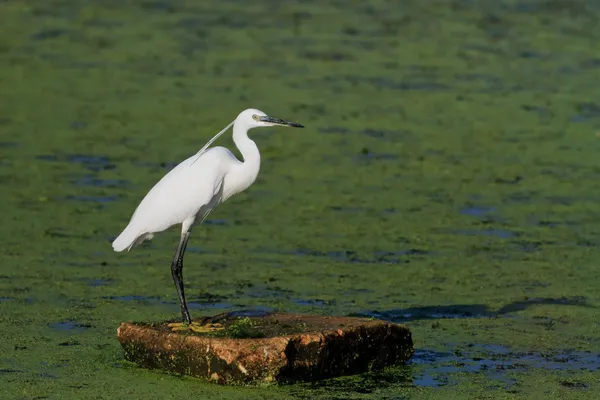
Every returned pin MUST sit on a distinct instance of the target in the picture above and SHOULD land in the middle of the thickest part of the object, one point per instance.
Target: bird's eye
(255, 117)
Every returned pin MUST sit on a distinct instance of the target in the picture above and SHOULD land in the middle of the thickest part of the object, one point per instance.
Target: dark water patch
(428, 312)
(269, 291)
(315, 109)
(541, 111)
(350, 31)
(69, 343)
(95, 264)
(135, 298)
(494, 26)
(196, 28)
(347, 209)
(63, 61)
(57, 232)
(205, 297)
(341, 255)
(70, 326)
(495, 361)
(160, 5)
(367, 155)
(219, 222)
(156, 165)
(354, 291)
(560, 200)
(384, 134)
(313, 302)
(91, 181)
(477, 211)
(399, 256)
(234, 21)
(45, 375)
(5, 299)
(561, 7)
(486, 49)
(467, 310)
(326, 56)
(424, 70)
(497, 232)
(508, 181)
(573, 384)
(93, 163)
(578, 118)
(361, 45)
(522, 197)
(203, 300)
(47, 157)
(351, 256)
(521, 305)
(549, 323)
(10, 371)
(533, 55)
(194, 305)
(52, 33)
(385, 83)
(92, 199)
(333, 129)
(8, 145)
(526, 7)
(194, 302)
(568, 70)
(590, 63)
(532, 246)
(548, 223)
(251, 312)
(78, 125)
(194, 249)
(94, 282)
(583, 242)
(586, 111)
(439, 196)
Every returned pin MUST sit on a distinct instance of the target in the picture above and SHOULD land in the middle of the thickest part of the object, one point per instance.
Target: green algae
(447, 176)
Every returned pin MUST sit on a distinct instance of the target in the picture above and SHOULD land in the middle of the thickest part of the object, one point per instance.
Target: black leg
(177, 273)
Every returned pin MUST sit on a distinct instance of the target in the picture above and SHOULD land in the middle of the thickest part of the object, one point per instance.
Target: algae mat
(447, 178)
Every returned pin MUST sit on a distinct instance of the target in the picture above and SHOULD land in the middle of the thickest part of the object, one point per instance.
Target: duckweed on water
(447, 178)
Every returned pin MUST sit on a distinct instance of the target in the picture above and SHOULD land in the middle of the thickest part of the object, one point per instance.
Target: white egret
(191, 190)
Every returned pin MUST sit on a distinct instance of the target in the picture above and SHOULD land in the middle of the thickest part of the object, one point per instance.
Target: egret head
(254, 118)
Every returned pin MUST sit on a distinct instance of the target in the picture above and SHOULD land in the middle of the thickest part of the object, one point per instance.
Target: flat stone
(256, 349)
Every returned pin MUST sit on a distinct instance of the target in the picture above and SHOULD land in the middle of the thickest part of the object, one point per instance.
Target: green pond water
(447, 178)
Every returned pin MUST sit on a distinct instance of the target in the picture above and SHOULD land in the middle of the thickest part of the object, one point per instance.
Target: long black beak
(279, 121)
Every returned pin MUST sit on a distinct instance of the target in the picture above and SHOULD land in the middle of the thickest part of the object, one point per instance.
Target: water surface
(447, 178)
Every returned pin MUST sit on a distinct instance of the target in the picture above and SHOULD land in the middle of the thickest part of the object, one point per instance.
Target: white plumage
(187, 192)
(191, 190)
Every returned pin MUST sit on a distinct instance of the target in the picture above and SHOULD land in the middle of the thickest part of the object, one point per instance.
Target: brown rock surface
(268, 348)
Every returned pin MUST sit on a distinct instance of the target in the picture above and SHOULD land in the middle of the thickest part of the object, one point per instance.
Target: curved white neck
(246, 172)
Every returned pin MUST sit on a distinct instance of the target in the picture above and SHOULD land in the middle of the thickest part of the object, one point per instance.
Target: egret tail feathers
(128, 239)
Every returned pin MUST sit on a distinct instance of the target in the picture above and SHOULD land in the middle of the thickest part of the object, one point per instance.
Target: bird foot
(196, 327)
